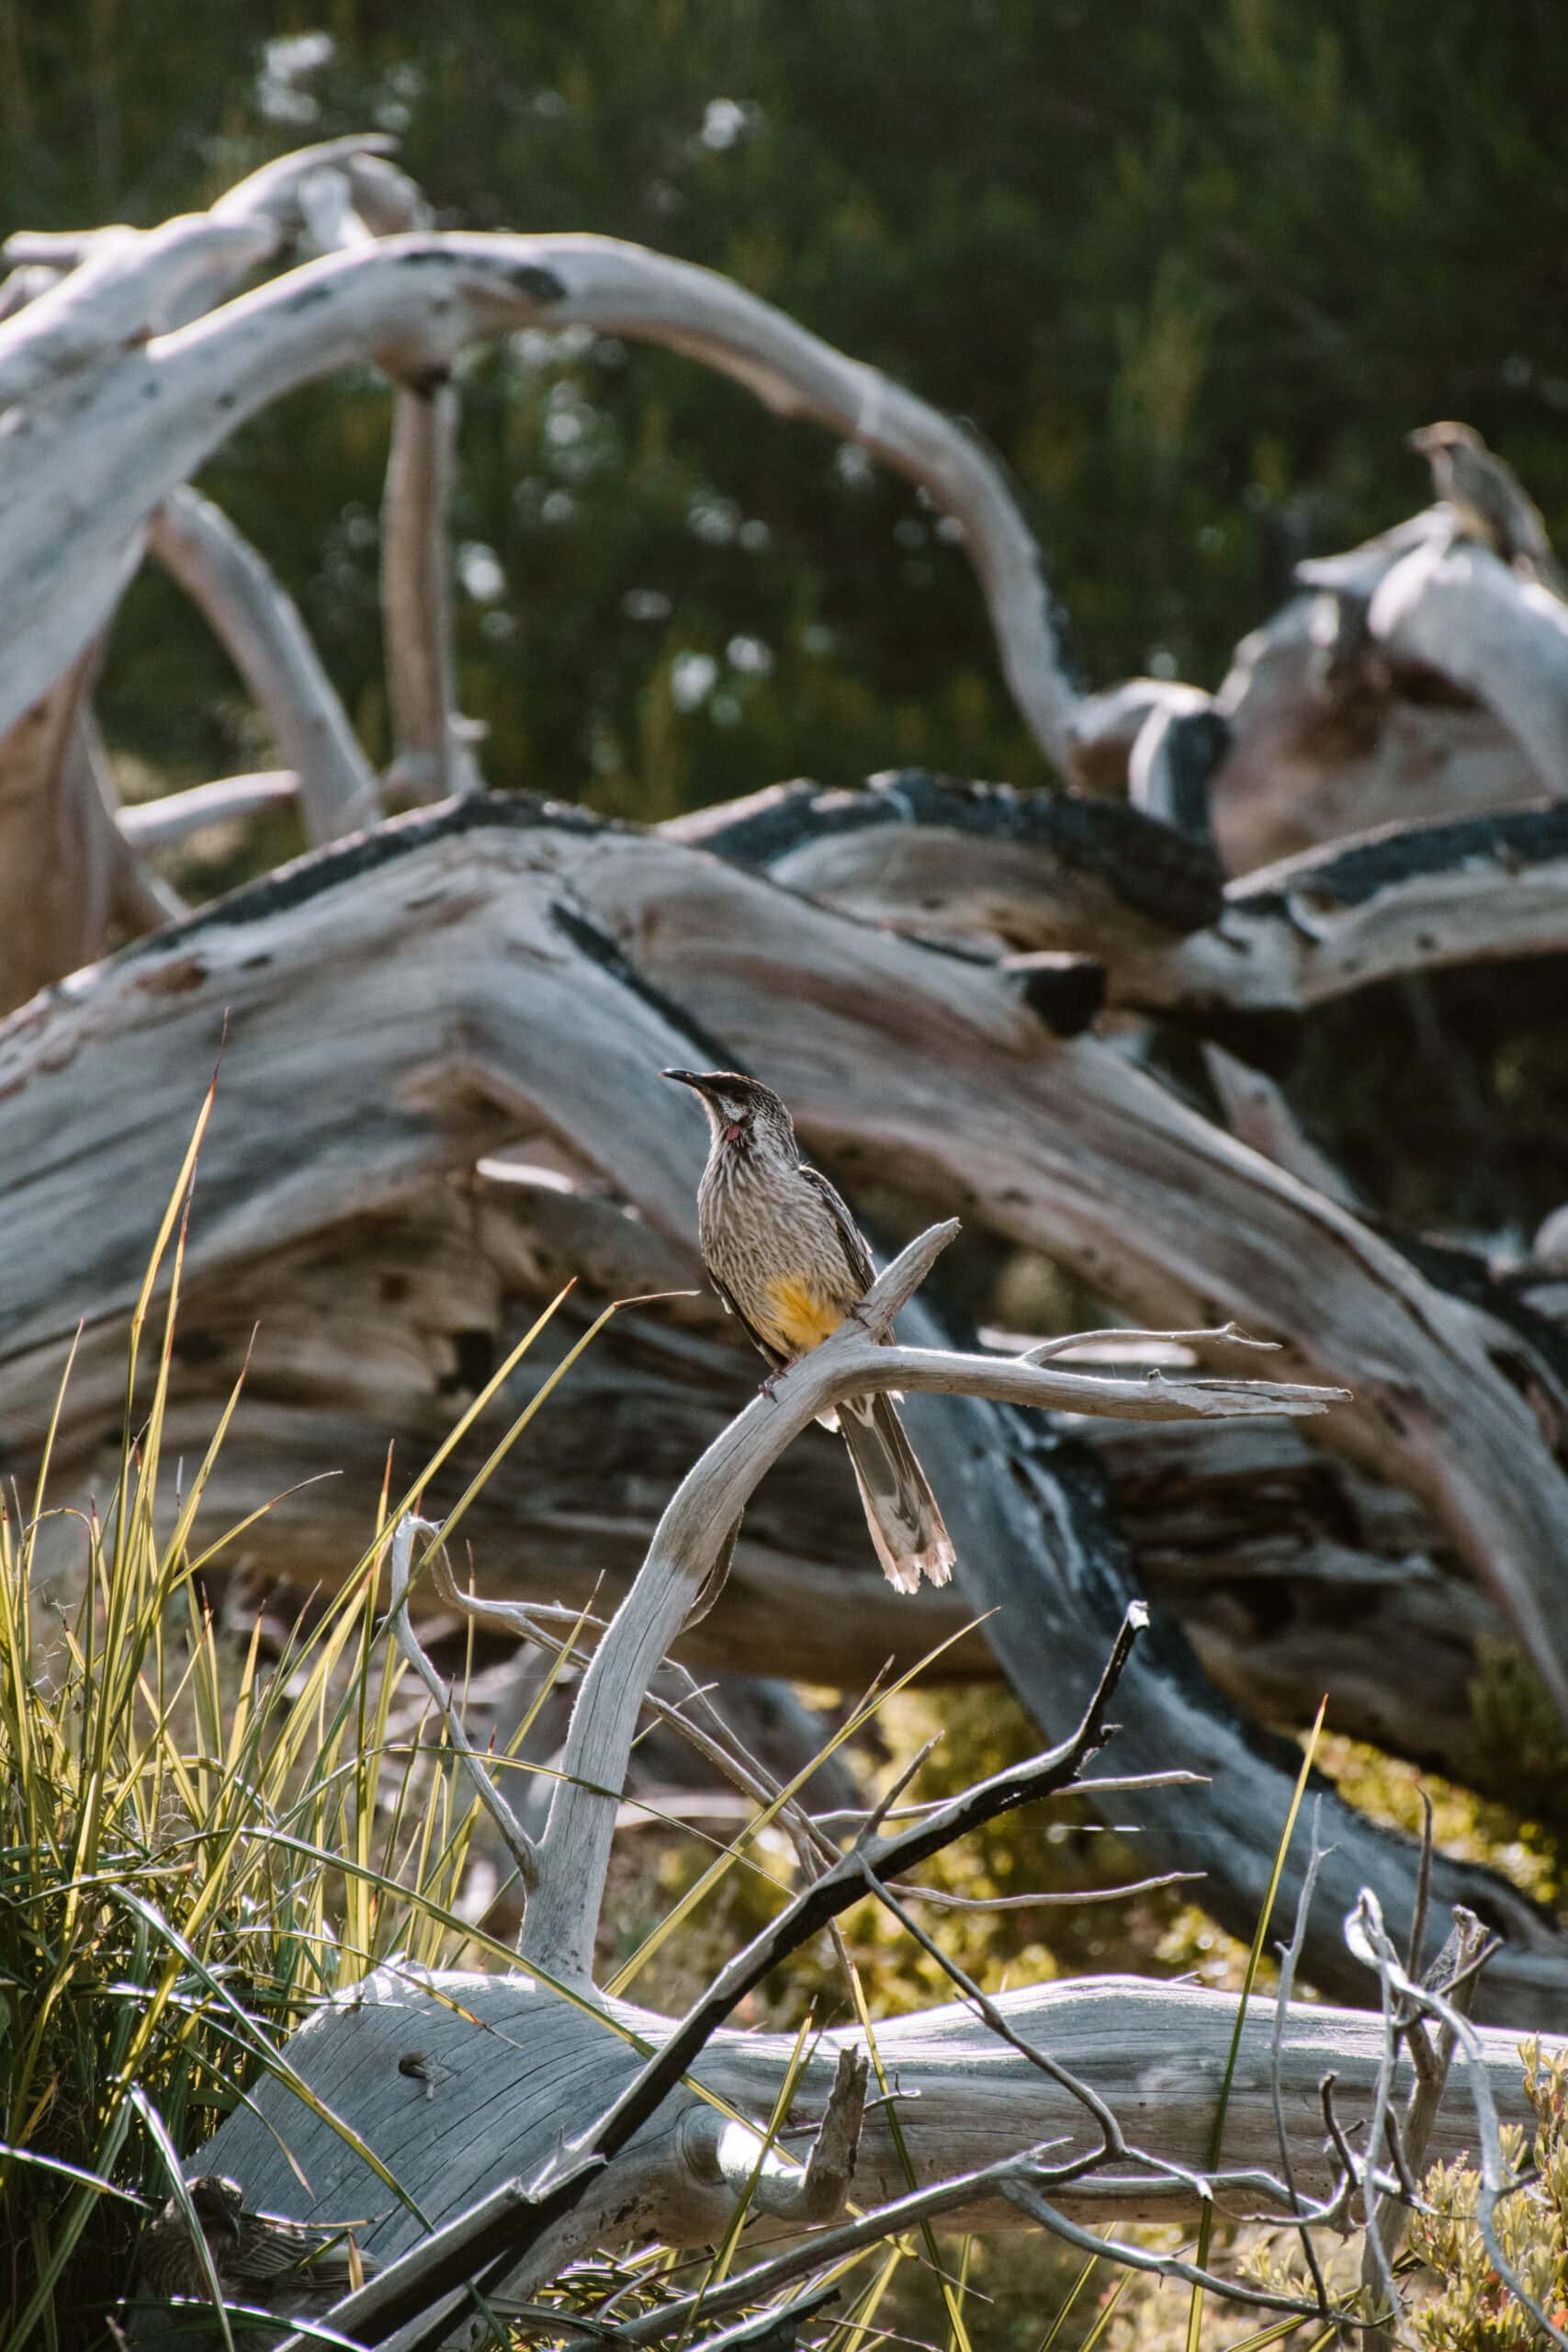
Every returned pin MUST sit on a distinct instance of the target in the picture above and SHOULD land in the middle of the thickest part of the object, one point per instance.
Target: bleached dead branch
(259, 624)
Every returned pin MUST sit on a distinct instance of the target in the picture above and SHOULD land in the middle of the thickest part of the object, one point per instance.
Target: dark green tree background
(1192, 267)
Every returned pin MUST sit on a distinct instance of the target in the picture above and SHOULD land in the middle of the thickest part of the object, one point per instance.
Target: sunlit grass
(197, 1843)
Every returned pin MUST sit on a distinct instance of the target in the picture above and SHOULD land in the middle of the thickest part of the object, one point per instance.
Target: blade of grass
(855, 2329)
(144, 1299)
(540, 1396)
(1206, 2223)
(1107, 2311)
(1073, 2291)
(71, 2172)
(718, 2269)
(171, 2155)
(962, 2289)
(928, 2235)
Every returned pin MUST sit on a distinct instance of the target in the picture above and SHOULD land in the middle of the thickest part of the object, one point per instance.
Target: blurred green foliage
(1191, 269)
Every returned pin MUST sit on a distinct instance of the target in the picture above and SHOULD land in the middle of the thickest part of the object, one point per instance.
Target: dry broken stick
(751, 2169)
(411, 302)
(1462, 1956)
(174, 816)
(1370, 1940)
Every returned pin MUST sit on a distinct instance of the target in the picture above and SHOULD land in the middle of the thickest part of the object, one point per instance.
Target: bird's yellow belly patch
(801, 1317)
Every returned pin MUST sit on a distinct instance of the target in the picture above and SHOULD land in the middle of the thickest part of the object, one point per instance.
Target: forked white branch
(689, 1540)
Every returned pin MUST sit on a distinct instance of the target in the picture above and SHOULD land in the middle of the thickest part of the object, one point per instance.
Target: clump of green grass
(197, 1844)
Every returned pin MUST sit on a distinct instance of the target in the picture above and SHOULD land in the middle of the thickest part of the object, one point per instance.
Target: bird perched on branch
(787, 1258)
(1489, 501)
(255, 2255)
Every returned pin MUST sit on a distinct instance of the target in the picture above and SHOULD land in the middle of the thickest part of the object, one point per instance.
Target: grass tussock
(196, 1843)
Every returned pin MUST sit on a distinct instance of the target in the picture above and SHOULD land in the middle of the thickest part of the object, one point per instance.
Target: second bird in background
(787, 1258)
(1490, 503)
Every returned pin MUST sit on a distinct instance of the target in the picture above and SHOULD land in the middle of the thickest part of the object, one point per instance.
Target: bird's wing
(272, 2243)
(857, 1257)
(733, 1307)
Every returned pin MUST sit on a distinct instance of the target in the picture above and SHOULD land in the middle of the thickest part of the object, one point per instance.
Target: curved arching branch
(690, 1542)
(151, 415)
(260, 626)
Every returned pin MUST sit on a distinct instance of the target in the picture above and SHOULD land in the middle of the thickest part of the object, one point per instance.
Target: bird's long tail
(900, 1508)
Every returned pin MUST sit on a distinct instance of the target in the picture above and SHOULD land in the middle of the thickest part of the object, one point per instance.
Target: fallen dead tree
(505, 978)
(530, 995)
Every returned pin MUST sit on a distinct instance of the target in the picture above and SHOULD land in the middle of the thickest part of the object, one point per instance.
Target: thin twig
(1289, 1960)
(518, 1843)
(825, 2247)
(1423, 1889)
(1103, 1784)
(1226, 1332)
(157, 824)
(1350, 2163)
(1112, 2142)
(719, 1746)
(1065, 1898)
(1377, 2271)
(1139, 2257)
(885, 1804)
(1368, 1938)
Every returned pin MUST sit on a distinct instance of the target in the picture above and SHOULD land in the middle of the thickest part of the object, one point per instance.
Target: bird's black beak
(233, 2224)
(685, 1078)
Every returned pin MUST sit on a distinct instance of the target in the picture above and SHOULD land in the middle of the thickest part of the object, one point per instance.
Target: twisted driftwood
(920, 969)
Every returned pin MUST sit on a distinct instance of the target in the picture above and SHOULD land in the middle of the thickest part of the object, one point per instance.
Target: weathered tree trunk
(506, 2075)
